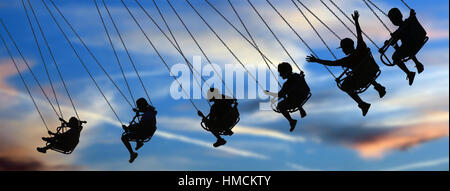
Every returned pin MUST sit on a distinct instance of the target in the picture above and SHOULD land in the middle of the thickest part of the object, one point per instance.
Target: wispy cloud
(405, 118)
(298, 167)
(420, 165)
(205, 144)
(7, 70)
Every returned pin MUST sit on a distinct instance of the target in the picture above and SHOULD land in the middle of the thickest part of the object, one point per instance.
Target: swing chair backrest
(295, 108)
(415, 31)
(416, 35)
(144, 140)
(66, 145)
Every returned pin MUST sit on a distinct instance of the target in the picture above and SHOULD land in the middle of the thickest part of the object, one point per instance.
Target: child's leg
(302, 112)
(380, 89)
(397, 57)
(348, 88)
(283, 108)
(419, 65)
(127, 144)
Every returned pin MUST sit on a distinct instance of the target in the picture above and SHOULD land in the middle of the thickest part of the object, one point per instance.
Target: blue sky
(406, 130)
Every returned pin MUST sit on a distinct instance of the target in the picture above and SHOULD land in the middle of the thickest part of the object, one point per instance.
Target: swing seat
(362, 78)
(416, 50)
(139, 131)
(417, 38)
(64, 145)
(293, 108)
(63, 148)
(144, 139)
(359, 88)
(140, 139)
(230, 120)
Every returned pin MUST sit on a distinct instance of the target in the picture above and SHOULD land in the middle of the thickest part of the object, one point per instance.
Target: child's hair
(143, 105)
(395, 13)
(285, 67)
(73, 121)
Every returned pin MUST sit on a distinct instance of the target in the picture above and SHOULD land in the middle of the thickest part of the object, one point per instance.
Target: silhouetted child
(222, 116)
(143, 129)
(294, 92)
(412, 36)
(363, 67)
(65, 141)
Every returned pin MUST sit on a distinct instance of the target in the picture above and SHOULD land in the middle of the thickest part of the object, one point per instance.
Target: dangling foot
(219, 142)
(139, 144)
(302, 113)
(364, 108)
(46, 139)
(132, 157)
(228, 132)
(41, 150)
(419, 67)
(410, 77)
(292, 123)
(124, 127)
(381, 91)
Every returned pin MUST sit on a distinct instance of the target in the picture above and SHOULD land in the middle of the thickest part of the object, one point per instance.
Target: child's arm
(358, 27)
(267, 92)
(314, 59)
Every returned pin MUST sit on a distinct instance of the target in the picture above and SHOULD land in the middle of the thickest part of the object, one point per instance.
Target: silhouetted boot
(381, 90)
(125, 128)
(228, 132)
(132, 157)
(302, 112)
(410, 77)
(219, 142)
(46, 139)
(364, 108)
(139, 144)
(41, 150)
(419, 67)
(292, 123)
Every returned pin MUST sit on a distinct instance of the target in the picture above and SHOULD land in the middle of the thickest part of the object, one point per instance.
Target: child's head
(347, 46)
(73, 122)
(141, 103)
(285, 70)
(395, 16)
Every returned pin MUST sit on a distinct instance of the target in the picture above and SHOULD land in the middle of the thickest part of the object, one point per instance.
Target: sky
(406, 130)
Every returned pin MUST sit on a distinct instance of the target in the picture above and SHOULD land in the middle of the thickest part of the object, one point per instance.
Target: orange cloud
(20, 159)
(18, 142)
(7, 70)
(400, 139)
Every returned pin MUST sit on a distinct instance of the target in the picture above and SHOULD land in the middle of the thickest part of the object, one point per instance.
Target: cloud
(21, 134)
(193, 125)
(298, 167)
(230, 150)
(421, 120)
(8, 163)
(7, 70)
(261, 132)
(399, 139)
(94, 119)
(420, 165)
(17, 154)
